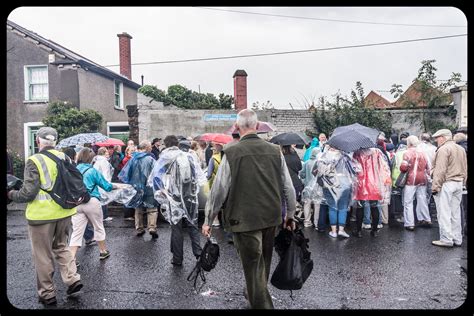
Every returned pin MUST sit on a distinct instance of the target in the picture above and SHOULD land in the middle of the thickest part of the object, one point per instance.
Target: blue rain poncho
(307, 153)
(175, 179)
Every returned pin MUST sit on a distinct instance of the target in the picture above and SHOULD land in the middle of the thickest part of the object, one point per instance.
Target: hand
(206, 230)
(289, 224)
(9, 194)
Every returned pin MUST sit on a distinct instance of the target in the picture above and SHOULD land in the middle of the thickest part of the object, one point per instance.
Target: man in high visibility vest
(48, 222)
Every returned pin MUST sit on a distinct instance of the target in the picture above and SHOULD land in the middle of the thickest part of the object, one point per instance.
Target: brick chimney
(240, 90)
(125, 55)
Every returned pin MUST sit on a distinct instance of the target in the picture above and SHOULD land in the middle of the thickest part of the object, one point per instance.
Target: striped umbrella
(81, 139)
(353, 137)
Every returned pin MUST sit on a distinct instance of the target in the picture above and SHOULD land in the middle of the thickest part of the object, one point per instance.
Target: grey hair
(247, 119)
(46, 142)
(143, 144)
(426, 137)
(412, 140)
(101, 151)
(459, 137)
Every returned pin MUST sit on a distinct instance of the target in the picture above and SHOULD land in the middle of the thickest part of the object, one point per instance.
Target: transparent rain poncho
(123, 194)
(336, 172)
(176, 178)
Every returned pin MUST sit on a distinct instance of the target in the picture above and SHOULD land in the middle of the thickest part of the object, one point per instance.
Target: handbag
(401, 180)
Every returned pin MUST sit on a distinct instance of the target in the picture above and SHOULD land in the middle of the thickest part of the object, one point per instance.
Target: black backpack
(206, 262)
(68, 190)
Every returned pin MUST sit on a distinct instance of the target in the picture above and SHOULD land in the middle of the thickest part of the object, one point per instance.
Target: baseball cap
(155, 140)
(443, 132)
(47, 133)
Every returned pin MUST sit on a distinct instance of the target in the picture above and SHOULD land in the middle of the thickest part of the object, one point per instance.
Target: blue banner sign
(220, 117)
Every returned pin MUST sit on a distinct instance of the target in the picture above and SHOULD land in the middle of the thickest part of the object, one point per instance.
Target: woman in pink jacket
(415, 163)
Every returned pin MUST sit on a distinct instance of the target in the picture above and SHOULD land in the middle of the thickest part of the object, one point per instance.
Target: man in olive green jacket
(250, 178)
(48, 222)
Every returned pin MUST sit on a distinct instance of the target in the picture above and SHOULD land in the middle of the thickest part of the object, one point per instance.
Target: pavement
(398, 269)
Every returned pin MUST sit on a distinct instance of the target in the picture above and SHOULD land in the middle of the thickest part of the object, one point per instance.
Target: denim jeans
(367, 220)
(105, 212)
(89, 232)
(323, 217)
(338, 209)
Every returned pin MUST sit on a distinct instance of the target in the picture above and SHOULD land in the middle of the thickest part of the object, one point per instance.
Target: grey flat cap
(48, 133)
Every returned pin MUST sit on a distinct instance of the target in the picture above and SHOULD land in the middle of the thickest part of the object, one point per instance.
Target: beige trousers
(89, 212)
(152, 216)
(48, 240)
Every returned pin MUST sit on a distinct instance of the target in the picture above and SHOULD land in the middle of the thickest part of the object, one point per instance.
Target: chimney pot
(240, 90)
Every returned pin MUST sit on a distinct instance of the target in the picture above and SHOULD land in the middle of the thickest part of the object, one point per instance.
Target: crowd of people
(252, 188)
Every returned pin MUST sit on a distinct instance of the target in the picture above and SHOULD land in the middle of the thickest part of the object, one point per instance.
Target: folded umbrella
(81, 139)
(290, 138)
(110, 142)
(215, 137)
(353, 137)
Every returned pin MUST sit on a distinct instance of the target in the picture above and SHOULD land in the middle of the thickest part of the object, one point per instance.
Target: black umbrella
(285, 139)
(352, 137)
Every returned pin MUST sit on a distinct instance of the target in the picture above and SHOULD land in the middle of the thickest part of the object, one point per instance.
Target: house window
(118, 130)
(118, 91)
(36, 83)
(30, 131)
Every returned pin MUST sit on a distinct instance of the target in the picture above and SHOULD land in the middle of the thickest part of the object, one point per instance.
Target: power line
(331, 20)
(292, 52)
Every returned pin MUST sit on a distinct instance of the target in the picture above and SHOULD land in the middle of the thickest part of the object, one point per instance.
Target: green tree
(346, 111)
(432, 95)
(68, 120)
(185, 98)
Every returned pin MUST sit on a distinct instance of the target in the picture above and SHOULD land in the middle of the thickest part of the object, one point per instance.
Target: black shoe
(154, 234)
(74, 288)
(374, 233)
(176, 263)
(410, 228)
(140, 233)
(48, 301)
(357, 233)
(104, 255)
(78, 264)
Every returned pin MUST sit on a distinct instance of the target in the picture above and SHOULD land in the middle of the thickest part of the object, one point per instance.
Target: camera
(13, 183)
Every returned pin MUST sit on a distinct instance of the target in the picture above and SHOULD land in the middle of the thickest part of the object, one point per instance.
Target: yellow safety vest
(43, 207)
(217, 162)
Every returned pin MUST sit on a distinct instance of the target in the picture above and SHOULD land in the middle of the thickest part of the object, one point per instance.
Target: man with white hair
(252, 177)
(416, 165)
(48, 222)
(449, 175)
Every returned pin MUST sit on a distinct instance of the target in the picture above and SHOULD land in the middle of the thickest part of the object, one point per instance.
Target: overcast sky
(175, 33)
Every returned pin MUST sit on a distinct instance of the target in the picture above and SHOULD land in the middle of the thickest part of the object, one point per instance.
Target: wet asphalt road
(397, 270)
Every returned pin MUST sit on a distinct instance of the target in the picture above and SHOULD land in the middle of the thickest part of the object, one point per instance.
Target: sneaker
(104, 255)
(140, 232)
(78, 264)
(380, 226)
(441, 243)
(108, 219)
(48, 301)
(457, 244)
(176, 263)
(129, 219)
(308, 225)
(366, 226)
(343, 234)
(400, 220)
(332, 234)
(410, 228)
(153, 234)
(74, 288)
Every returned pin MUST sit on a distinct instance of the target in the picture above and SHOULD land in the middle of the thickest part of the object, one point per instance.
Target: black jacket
(293, 162)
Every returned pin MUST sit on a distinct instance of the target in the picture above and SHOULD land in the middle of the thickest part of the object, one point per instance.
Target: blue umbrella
(353, 137)
(81, 139)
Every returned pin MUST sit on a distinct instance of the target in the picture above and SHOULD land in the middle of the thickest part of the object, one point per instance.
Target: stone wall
(153, 120)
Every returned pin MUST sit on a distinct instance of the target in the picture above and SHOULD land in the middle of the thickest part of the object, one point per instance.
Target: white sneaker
(379, 226)
(343, 234)
(108, 219)
(366, 226)
(333, 235)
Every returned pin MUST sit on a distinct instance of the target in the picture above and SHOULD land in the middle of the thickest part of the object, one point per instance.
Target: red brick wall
(125, 55)
(240, 92)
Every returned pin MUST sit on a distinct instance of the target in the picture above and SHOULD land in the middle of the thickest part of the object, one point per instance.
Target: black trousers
(374, 212)
(177, 240)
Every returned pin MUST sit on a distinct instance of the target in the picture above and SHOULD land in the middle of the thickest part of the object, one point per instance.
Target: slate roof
(72, 57)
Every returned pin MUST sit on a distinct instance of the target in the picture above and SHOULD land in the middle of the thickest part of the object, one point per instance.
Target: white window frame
(122, 123)
(27, 83)
(26, 135)
(120, 107)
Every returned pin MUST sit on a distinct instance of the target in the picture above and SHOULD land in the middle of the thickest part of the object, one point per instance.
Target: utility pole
(142, 80)
(199, 88)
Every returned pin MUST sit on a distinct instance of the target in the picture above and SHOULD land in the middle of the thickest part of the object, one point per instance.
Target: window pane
(118, 129)
(117, 101)
(38, 75)
(39, 91)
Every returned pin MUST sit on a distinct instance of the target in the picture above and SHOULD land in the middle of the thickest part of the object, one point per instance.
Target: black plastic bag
(295, 264)
(13, 183)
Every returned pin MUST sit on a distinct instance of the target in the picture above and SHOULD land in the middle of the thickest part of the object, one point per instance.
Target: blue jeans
(338, 209)
(105, 212)
(89, 232)
(323, 217)
(367, 220)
